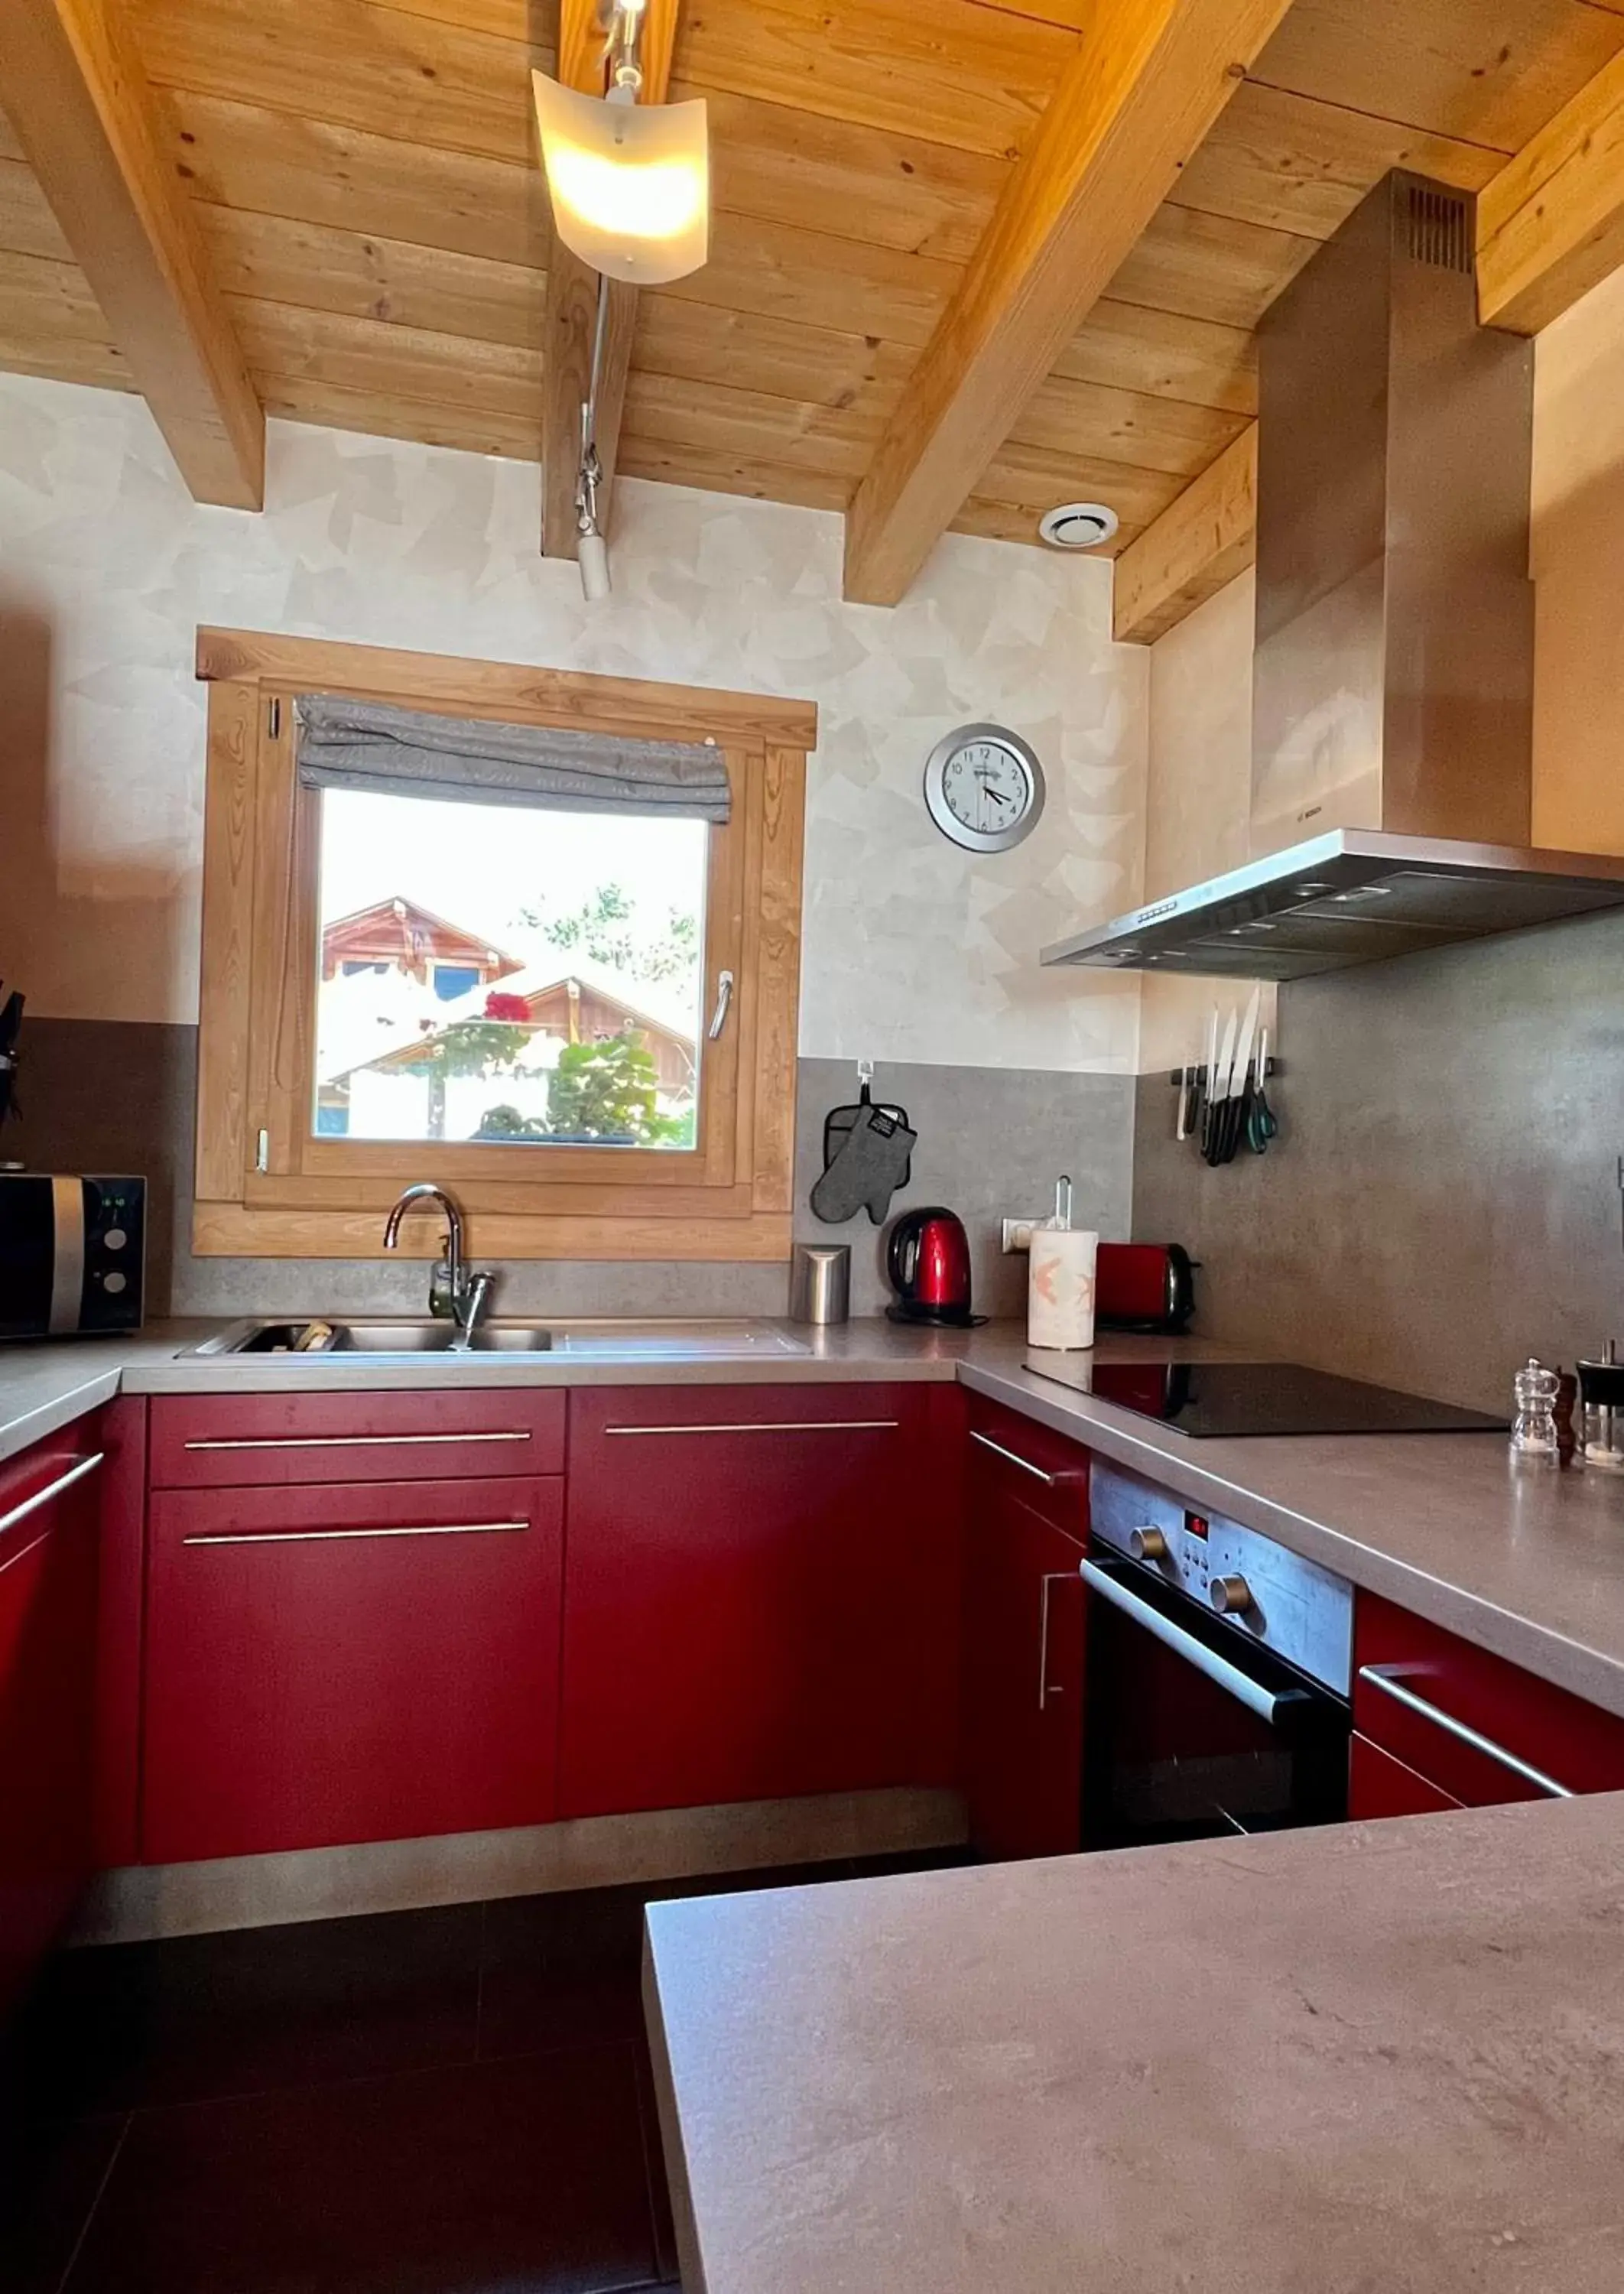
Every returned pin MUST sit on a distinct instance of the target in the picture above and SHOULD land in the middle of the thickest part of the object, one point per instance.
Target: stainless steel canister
(820, 1282)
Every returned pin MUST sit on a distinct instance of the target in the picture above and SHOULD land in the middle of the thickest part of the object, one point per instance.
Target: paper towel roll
(1060, 1287)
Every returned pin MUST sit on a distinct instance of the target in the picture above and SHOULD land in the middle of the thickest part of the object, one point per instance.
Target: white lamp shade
(630, 183)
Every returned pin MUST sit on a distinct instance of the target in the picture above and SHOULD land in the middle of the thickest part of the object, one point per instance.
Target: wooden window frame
(308, 1196)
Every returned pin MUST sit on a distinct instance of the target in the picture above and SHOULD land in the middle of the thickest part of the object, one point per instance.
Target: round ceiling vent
(1077, 525)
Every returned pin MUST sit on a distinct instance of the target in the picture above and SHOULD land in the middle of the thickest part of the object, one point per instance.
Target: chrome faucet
(467, 1289)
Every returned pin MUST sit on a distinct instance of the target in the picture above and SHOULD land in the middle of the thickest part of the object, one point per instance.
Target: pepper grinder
(1533, 1428)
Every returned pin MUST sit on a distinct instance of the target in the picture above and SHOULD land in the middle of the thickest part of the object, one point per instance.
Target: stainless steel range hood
(1392, 670)
(1351, 897)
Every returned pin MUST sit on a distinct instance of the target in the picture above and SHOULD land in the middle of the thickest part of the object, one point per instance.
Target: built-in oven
(1218, 1664)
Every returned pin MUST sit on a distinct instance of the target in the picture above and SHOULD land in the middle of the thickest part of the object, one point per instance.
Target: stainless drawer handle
(352, 1441)
(334, 1536)
(52, 1490)
(775, 1425)
(1218, 1670)
(1390, 1680)
(1053, 1481)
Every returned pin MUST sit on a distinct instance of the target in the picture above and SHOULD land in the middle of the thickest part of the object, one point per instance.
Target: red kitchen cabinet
(48, 1530)
(762, 1593)
(230, 1441)
(1380, 1786)
(347, 1662)
(1476, 1728)
(1024, 1648)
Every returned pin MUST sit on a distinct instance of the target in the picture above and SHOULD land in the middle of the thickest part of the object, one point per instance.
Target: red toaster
(1144, 1286)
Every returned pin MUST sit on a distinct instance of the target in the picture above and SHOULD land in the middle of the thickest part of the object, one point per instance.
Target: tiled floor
(452, 2102)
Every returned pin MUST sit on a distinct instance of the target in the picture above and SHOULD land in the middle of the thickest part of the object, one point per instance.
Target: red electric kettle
(927, 1264)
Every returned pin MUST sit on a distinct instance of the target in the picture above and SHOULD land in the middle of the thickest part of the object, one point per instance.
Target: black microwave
(72, 1253)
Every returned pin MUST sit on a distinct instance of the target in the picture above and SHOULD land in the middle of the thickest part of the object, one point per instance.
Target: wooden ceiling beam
(79, 103)
(1200, 541)
(571, 320)
(1550, 225)
(1145, 83)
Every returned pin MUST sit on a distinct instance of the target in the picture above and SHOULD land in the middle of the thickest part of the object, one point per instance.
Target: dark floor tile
(50, 2180)
(524, 2176)
(567, 1968)
(204, 2016)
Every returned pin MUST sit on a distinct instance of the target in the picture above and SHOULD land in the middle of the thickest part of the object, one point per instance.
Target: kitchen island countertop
(1376, 2057)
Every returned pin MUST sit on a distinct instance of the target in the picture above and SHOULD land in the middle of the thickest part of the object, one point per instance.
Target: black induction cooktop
(1206, 1399)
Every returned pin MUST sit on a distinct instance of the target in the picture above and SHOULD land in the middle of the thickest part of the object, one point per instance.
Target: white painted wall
(913, 950)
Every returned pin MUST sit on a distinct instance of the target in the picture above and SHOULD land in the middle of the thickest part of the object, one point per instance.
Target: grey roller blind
(373, 746)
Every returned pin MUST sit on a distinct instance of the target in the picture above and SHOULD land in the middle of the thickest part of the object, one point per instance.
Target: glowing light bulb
(629, 182)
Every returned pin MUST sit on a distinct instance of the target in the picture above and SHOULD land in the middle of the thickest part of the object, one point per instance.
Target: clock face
(984, 787)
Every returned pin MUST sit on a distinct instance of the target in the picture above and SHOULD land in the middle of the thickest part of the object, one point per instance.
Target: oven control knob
(1231, 1596)
(1146, 1545)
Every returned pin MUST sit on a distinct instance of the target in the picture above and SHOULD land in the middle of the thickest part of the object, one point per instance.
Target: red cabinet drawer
(226, 1440)
(366, 1660)
(1380, 1786)
(1020, 1459)
(1401, 1663)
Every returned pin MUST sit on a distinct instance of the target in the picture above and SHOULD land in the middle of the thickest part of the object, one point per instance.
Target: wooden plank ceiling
(365, 180)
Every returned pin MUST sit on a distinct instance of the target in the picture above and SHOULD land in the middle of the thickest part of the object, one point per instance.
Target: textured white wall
(913, 950)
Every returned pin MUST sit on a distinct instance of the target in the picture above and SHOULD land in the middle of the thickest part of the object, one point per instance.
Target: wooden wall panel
(51, 324)
(280, 163)
(357, 64)
(1487, 72)
(1129, 346)
(472, 429)
(1126, 426)
(846, 177)
(953, 72)
(1292, 163)
(1209, 267)
(374, 357)
(26, 224)
(312, 267)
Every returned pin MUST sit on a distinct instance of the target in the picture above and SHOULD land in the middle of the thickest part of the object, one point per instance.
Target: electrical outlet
(1018, 1234)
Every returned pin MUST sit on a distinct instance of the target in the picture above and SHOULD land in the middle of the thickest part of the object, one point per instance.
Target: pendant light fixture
(629, 182)
(631, 192)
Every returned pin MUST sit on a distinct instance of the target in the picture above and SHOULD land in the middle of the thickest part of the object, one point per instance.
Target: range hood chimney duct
(1393, 675)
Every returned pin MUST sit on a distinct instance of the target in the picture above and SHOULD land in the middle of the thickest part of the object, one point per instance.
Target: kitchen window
(531, 934)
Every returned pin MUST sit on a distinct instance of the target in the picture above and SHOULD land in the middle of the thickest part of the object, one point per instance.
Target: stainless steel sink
(372, 1338)
(381, 1340)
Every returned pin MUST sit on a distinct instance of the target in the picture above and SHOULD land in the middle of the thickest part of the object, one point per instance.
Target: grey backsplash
(114, 1096)
(1443, 1201)
(991, 1141)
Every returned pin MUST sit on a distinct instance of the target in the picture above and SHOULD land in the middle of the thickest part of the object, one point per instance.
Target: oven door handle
(1218, 1670)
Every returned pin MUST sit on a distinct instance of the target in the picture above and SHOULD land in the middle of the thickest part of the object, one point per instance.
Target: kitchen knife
(1219, 1090)
(1235, 1107)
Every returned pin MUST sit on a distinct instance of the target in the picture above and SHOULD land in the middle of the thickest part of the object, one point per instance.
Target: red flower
(499, 1006)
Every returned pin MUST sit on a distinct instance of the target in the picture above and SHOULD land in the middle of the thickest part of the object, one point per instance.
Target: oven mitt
(868, 1169)
(840, 1122)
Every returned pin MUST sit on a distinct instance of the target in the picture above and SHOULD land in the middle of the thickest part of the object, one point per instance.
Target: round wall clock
(984, 787)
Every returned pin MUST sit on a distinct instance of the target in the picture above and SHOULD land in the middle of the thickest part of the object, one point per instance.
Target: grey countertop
(1527, 1563)
(1380, 2056)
